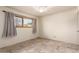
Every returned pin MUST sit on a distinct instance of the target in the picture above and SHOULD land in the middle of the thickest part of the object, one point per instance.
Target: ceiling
(30, 10)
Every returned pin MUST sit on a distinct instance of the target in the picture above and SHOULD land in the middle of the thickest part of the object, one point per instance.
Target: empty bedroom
(39, 29)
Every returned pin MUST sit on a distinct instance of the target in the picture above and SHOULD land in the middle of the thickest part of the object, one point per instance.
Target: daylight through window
(23, 22)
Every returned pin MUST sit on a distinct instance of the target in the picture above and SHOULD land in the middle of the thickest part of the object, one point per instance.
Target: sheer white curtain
(9, 26)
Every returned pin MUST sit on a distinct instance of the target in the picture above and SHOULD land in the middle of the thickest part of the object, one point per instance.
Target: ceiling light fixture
(41, 8)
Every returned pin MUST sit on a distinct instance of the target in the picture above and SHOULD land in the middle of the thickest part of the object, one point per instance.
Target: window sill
(22, 27)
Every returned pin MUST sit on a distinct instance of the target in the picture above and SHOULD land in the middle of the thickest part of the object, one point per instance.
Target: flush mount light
(41, 8)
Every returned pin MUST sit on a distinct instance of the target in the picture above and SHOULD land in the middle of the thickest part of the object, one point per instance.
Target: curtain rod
(20, 15)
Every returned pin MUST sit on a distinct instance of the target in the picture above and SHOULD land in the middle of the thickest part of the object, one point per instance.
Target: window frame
(23, 22)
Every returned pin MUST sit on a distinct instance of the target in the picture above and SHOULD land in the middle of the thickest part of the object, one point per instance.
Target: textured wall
(61, 26)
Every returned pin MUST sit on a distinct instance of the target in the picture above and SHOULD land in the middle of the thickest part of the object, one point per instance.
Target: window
(23, 22)
(18, 22)
(27, 22)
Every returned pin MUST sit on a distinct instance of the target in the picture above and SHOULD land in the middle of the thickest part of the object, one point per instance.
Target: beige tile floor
(41, 46)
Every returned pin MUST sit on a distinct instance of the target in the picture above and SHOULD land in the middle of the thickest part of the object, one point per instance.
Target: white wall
(22, 33)
(78, 22)
(61, 26)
